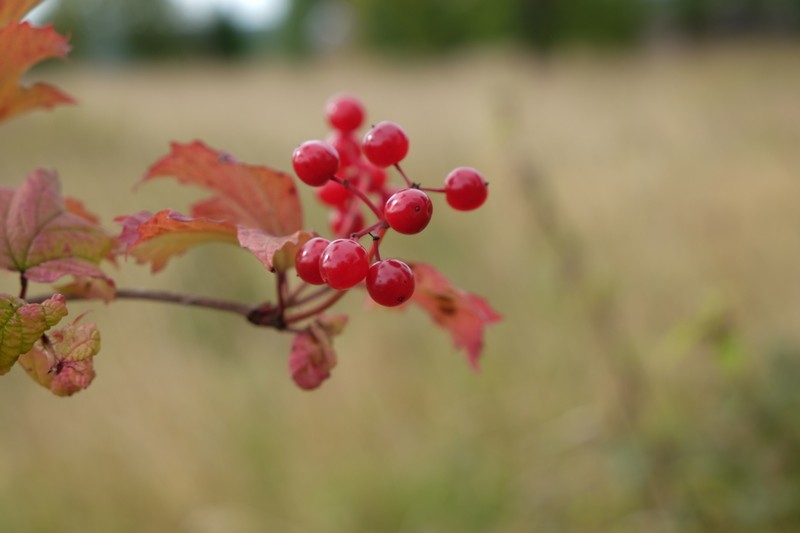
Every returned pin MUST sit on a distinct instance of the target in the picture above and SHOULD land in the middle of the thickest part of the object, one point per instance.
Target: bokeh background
(642, 240)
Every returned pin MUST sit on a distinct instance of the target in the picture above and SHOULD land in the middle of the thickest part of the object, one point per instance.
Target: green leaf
(22, 324)
(40, 237)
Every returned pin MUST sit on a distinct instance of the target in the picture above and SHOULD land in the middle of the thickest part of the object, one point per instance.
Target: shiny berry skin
(306, 261)
(408, 211)
(344, 112)
(390, 282)
(385, 144)
(465, 189)
(343, 264)
(315, 162)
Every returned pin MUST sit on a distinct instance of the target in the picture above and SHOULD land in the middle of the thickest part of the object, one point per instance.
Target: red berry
(344, 112)
(343, 264)
(332, 194)
(343, 222)
(465, 189)
(315, 162)
(376, 177)
(307, 260)
(385, 144)
(408, 211)
(390, 282)
(347, 146)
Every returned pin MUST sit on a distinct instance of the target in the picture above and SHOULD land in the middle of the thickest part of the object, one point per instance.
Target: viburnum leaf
(22, 47)
(64, 363)
(275, 253)
(256, 204)
(246, 195)
(89, 288)
(41, 238)
(156, 238)
(312, 356)
(14, 10)
(22, 324)
(463, 314)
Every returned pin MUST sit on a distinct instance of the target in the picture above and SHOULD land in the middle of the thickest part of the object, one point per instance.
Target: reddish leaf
(275, 253)
(247, 195)
(23, 46)
(39, 237)
(89, 288)
(156, 238)
(463, 314)
(22, 324)
(14, 10)
(312, 356)
(64, 364)
(76, 207)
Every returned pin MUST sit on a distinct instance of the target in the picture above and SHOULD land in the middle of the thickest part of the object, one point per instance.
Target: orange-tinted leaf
(22, 47)
(65, 363)
(463, 314)
(247, 195)
(275, 253)
(39, 237)
(156, 238)
(89, 288)
(22, 324)
(14, 10)
(76, 207)
(312, 356)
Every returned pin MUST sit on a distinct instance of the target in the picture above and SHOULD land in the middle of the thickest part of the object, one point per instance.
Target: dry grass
(673, 175)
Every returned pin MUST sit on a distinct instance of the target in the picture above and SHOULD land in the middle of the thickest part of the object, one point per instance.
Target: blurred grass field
(642, 240)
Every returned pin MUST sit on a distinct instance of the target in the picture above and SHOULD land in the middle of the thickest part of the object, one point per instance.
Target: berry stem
(374, 252)
(360, 195)
(315, 310)
(402, 173)
(280, 290)
(433, 189)
(375, 227)
(295, 293)
(310, 297)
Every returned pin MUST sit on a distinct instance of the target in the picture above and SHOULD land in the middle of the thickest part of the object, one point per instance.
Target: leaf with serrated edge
(275, 253)
(157, 238)
(312, 357)
(247, 195)
(23, 46)
(463, 314)
(22, 324)
(39, 237)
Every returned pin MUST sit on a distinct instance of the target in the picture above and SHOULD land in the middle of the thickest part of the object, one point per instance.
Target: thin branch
(169, 297)
(316, 310)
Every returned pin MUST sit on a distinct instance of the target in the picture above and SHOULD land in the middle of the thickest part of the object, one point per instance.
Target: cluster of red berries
(350, 175)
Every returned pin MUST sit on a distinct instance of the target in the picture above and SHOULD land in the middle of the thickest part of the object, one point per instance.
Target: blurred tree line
(152, 28)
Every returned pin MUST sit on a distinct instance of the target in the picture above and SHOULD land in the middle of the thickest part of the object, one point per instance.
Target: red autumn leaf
(247, 195)
(40, 238)
(22, 47)
(64, 363)
(156, 238)
(463, 314)
(14, 10)
(312, 357)
(22, 324)
(275, 253)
